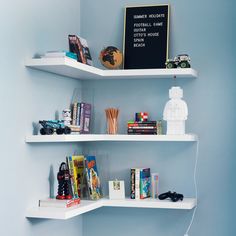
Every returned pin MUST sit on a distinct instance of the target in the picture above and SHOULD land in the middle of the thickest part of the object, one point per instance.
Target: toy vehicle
(51, 126)
(181, 60)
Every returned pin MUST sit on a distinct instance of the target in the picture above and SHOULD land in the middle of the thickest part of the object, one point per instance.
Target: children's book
(93, 181)
(80, 177)
(145, 183)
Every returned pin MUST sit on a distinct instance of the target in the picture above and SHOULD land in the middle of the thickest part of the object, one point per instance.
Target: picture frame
(116, 189)
(146, 36)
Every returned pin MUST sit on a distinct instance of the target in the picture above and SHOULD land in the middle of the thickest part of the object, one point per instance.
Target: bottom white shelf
(86, 206)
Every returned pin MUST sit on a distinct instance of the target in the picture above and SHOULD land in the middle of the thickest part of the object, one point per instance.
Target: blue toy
(51, 126)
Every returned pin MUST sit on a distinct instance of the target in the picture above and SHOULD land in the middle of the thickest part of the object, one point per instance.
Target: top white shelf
(68, 67)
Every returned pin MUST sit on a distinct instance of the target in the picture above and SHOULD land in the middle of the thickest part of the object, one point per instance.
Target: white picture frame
(116, 189)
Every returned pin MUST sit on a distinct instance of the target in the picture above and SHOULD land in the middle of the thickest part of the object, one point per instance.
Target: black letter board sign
(146, 36)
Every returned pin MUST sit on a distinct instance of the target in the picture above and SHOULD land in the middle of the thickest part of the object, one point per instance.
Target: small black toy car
(181, 60)
(51, 126)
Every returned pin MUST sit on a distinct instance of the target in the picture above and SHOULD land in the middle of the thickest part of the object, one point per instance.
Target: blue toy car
(51, 126)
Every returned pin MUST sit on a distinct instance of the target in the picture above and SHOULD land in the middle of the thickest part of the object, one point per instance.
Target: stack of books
(57, 54)
(142, 127)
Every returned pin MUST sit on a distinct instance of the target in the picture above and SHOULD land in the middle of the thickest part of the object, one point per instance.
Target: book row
(143, 184)
(78, 178)
(81, 116)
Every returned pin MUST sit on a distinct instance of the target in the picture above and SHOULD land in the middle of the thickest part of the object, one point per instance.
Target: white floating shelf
(71, 68)
(63, 213)
(86, 206)
(107, 138)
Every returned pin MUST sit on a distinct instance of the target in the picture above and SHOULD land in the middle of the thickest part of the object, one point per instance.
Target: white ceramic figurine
(175, 112)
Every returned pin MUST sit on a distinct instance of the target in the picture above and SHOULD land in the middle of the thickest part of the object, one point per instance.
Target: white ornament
(175, 112)
(117, 189)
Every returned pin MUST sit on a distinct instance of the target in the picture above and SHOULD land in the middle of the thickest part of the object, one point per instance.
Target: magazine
(93, 180)
(79, 46)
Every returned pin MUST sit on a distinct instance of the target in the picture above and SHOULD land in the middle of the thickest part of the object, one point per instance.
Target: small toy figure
(141, 116)
(66, 113)
(63, 177)
(51, 126)
(175, 112)
(181, 60)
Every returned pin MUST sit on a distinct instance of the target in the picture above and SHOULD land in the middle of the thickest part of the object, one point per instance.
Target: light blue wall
(205, 30)
(29, 27)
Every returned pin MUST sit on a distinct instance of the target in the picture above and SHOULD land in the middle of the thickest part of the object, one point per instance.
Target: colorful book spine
(74, 113)
(141, 133)
(73, 177)
(137, 183)
(81, 115)
(85, 118)
(132, 183)
(78, 115)
(145, 183)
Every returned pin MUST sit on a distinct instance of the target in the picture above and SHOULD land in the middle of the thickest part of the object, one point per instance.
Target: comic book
(80, 177)
(73, 177)
(93, 181)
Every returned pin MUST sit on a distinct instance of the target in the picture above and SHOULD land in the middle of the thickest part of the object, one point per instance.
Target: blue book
(93, 180)
(145, 183)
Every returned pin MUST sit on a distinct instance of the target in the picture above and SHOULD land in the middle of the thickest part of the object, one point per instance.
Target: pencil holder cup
(112, 120)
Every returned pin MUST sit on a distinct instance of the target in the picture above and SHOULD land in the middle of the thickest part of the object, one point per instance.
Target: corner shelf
(86, 206)
(107, 138)
(68, 67)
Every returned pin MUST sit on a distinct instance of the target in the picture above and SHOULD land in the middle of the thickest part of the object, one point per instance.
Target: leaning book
(80, 47)
(53, 202)
(93, 180)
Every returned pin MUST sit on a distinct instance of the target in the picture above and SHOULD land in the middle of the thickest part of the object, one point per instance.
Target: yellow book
(79, 175)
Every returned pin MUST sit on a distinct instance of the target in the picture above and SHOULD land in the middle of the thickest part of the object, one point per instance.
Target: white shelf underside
(107, 138)
(86, 206)
(71, 68)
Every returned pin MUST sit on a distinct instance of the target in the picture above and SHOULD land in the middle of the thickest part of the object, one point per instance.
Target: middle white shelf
(107, 138)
